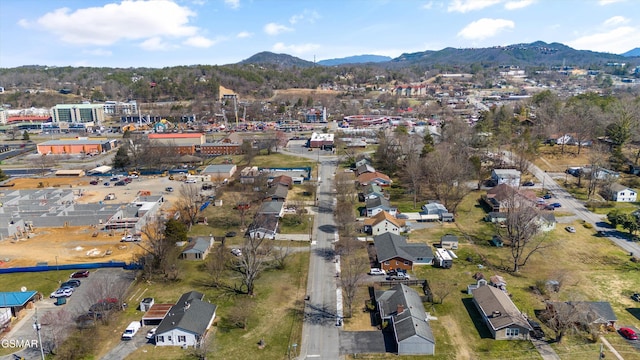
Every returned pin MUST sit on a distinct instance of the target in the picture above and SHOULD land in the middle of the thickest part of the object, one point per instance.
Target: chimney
(400, 309)
(496, 314)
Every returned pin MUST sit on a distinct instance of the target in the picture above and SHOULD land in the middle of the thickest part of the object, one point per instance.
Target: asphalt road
(320, 335)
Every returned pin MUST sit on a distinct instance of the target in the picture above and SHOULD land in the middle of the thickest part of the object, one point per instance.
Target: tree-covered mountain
(632, 53)
(535, 54)
(280, 60)
(358, 59)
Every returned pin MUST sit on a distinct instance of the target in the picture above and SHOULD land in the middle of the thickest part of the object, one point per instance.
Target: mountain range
(537, 53)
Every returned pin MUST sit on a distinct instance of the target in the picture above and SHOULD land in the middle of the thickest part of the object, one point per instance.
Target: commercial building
(77, 116)
(183, 143)
(319, 140)
(77, 146)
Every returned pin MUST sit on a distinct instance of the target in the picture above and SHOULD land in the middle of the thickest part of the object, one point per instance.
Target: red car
(80, 274)
(628, 333)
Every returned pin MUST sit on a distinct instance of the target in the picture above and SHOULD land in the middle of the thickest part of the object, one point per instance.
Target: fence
(40, 268)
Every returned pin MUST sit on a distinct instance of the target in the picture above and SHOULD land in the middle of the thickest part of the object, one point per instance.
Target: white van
(131, 330)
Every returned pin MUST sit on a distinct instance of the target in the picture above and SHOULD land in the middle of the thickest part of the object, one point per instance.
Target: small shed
(155, 314)
(449, 241)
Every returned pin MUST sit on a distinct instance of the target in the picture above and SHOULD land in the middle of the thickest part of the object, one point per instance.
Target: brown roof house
(375, 177)
(383, 222)
(394, 252)
(498, 197)
(500, 314)
(402, 307)
(283, 180)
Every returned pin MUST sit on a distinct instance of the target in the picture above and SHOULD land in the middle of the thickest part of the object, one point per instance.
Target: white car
(190, 181)
(376, 271)
(64, 292)
(127, 238)
(236, 252)
(151, 333)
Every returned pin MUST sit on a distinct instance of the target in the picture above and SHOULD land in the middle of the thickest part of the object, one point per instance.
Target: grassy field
(276, 313)
(273, 160)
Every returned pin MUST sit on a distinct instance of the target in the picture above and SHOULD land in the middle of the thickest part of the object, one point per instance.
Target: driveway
(124, 348)
(366, 342)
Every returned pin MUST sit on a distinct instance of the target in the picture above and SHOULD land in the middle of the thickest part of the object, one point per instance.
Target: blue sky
(162, 33)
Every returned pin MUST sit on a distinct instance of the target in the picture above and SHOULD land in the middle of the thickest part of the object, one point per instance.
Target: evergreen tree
(175, 231)
(25, 135)
(121, 160)
(3, 176)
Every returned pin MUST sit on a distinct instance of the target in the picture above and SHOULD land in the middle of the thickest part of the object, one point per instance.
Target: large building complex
(77, 146)
(185, 143)
(76, 116)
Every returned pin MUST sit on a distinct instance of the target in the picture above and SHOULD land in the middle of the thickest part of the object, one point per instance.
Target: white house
(506, 176)
(187, 322)
(622, 193)
(383, 222)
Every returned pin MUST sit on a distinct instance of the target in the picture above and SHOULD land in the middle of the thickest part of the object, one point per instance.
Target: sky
(160, 33)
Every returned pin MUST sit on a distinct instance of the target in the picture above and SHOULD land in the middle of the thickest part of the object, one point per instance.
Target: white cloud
(98, 52)
(128, 20)
(464, 6)
(614, 41)
(519, 4)
(234, 4)
(615, 21)
(244, 34)
(275, 29)
(24, 23)
(199, 41)
(485, 28)
(428, 5)
(155, 44)
(309, 16)
(609, 2)
(294, 49)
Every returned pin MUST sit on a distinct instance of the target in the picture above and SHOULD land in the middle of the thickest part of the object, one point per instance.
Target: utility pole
(36, 327)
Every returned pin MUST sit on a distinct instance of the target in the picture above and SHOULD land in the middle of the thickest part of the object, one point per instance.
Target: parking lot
(99, 283)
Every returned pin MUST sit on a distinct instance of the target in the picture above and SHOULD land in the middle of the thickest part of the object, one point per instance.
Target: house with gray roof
(620, 193)
(378, 204)
(198, 248)
(276, 193)
(506, 176)
(394, 252)
(275, 208)
(187, 322)
(402, 307)
(500, 314)
(371, 191)
(591, 312)
(364, 168)
(263, 226)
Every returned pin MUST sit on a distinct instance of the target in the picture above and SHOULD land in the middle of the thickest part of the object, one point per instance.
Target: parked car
(547, 196)
(399, 276)
(376, 271)
(131, 330)
(628, 333)
(570, 229)
(70, 283)
(236, 252)
(537, 332)
(115, 178)
(62, 292)
(635, 297)
(133, 176)
(168, 189)
(94, 182)
(79, 274)
(230, 234)
(190, 181)
(151, 333)
(556, 205)
(107, 184)
(120, 183)
(528, 183)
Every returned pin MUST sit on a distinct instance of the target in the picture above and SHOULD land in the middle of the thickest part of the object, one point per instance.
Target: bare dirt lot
(77, 244)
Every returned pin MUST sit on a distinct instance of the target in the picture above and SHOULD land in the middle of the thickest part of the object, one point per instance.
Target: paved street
(319, 331)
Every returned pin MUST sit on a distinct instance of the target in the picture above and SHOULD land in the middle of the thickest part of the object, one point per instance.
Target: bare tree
(160, 254)
(254, 260)
(241, 312)
(44, 163)
(218, 262)
(105, 298)
(521, 229)
(353, 269)
(441, 289)
(56, 326)
(188, 203)
(413, 174)
(446, 176)
(563, 318)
